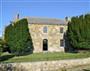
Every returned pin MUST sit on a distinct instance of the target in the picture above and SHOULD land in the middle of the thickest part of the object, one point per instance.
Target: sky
(41, 8)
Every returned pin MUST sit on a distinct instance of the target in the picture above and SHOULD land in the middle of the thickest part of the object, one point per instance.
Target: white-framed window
(45, 29)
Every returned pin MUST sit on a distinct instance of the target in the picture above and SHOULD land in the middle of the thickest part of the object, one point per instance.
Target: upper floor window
(61, 30)
(45, 29)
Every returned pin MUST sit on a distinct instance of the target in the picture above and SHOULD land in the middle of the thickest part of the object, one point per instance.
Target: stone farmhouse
(47, 34)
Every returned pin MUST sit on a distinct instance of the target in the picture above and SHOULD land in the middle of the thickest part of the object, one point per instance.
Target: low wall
(45, 65)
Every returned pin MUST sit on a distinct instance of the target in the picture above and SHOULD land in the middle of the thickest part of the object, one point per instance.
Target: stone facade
(53, 34)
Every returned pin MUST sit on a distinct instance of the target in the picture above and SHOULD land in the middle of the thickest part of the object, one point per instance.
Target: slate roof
(35, 20)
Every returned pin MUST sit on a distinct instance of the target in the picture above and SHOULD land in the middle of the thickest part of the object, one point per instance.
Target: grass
(45, 56)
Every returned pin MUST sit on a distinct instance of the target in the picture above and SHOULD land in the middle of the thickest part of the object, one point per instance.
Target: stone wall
(53, 35)
(57, 65)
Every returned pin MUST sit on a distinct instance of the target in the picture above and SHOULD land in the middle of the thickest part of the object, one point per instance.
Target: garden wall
(45, 65)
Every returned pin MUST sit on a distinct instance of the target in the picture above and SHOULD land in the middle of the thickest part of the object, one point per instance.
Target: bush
(79, 32)
(18, 37)
(1, 46)
(4, 47)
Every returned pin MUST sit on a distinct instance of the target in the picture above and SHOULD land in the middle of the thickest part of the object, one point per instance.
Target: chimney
(66, 19)
(17, 17)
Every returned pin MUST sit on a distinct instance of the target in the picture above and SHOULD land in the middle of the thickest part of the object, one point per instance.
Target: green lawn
(43, 57)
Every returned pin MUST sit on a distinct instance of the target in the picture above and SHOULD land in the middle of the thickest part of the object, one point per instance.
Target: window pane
(45, 29)
(61, 29)
(61, 42)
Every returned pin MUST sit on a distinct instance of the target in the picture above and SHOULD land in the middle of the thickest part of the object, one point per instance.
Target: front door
(45, 45)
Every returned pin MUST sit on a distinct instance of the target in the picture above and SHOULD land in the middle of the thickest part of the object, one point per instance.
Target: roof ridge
(36, 17)
(43, 20)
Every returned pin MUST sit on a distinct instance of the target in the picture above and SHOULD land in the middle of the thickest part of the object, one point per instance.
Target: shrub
(1, 46)
(18, 37)
(79, 32)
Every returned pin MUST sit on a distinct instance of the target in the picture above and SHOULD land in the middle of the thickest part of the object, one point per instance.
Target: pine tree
(79, 32)
(18, 37)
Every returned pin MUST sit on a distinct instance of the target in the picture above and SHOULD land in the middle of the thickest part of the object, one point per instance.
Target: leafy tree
(79, 32)
(18, 37)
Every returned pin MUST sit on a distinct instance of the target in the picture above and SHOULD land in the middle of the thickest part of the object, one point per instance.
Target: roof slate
(34, 20)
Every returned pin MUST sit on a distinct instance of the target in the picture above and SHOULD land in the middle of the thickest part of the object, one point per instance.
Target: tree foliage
(79, 32)
(18, 37)
(1, 46)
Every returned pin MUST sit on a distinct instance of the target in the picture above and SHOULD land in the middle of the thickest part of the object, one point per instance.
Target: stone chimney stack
(17, 16)
(66, 19)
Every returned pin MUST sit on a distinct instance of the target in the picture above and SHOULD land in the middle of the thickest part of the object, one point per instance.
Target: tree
(1, 46)
(18, 37)
(79, 32)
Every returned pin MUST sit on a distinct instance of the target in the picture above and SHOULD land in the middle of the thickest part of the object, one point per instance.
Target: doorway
(45, 44)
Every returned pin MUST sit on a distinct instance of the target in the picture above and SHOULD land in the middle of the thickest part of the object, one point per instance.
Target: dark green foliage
(18, 37)
(79, 32)
(1, 46)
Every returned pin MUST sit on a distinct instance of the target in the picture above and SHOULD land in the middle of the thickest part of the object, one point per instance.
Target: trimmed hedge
(18, 37)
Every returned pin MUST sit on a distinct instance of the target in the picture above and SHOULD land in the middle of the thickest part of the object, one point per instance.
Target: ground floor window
(61, 42)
